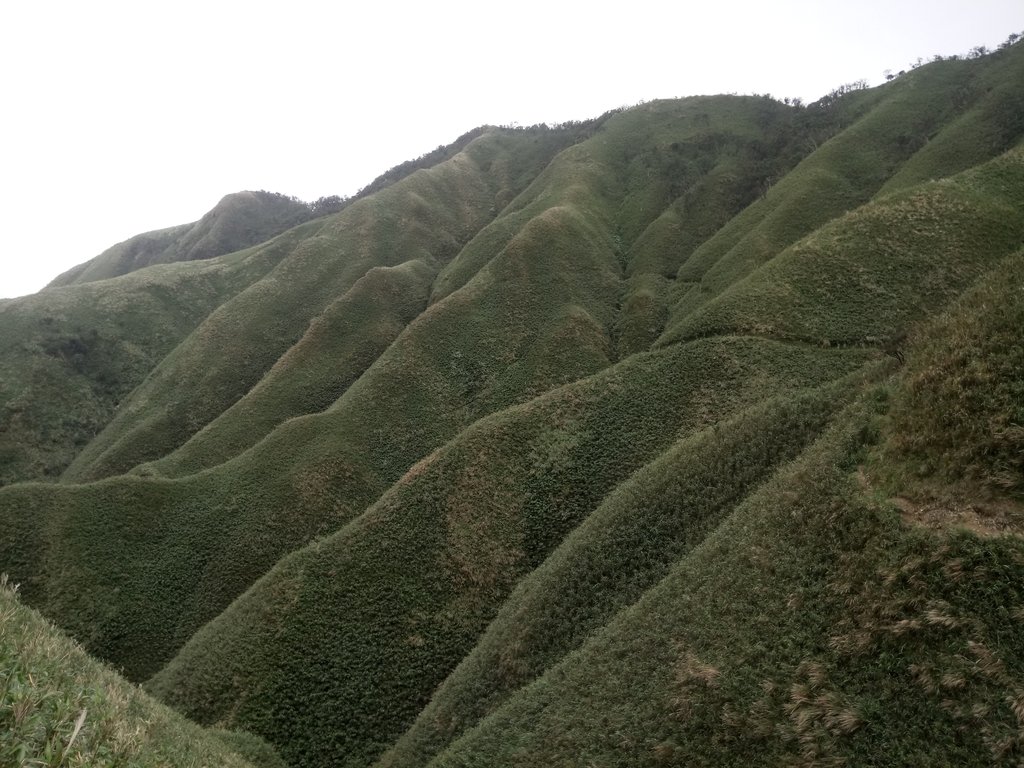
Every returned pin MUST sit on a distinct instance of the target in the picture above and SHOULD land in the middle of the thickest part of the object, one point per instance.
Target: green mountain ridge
(648, 440)
(238, 221)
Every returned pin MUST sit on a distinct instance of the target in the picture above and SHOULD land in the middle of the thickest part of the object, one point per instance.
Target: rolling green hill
(58, 707)
(691, 434)
(69, 356)
(238, 221)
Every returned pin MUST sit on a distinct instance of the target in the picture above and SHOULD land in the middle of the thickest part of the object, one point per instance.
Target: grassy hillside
(501, 338)
(59, 707)
(810, 628)
(576, 199)
(309, 477)
(958, 416)
(426, 216)
(687, 435)
(70, 356)
(626, 544)
(888, 262)
(340, 344)
(241, 220)
(884, 143)
(822, 620)
(422, 571)
(238, 221)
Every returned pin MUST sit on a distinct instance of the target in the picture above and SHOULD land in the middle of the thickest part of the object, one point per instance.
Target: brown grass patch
(1002, 517)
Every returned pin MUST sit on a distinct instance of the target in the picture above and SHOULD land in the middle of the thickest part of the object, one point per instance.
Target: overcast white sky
(122, 117)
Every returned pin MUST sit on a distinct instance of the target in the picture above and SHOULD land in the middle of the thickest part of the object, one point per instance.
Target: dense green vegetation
(238, 221)
(691, 434)
(810, 628)
(428, 217)
(69, 356)
(422, 571)
(959, 412)
(59, 707)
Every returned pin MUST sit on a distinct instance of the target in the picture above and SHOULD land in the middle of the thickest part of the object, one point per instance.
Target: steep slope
(626, 545)
(641, 441)
(857, 245)
(426, 216)
(890, 129)
(69, 356)
(340, 344)
(498, 340)
(911, 253)
(335, 465)
(420, 574)
(810, 627)
(60, 707)
(958, 415)
(989, 121)
(573, 204)
(238, 221)
(824, 618)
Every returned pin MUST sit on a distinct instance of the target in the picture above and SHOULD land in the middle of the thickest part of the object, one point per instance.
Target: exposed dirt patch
(982, 517)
